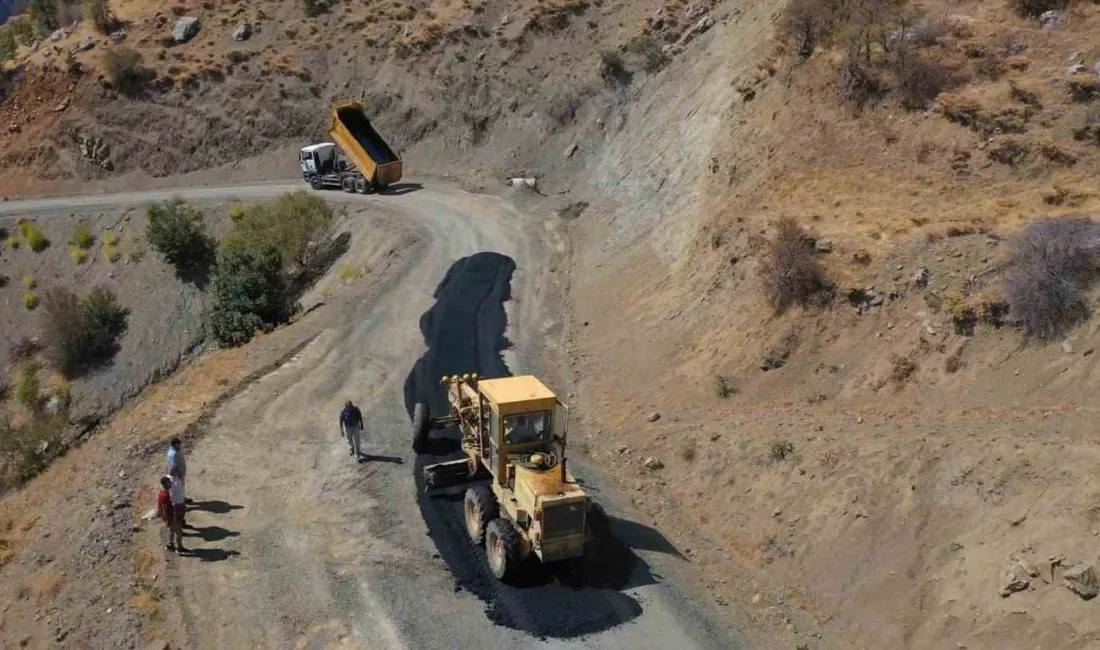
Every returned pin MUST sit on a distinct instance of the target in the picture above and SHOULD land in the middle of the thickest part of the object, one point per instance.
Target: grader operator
(513, 431)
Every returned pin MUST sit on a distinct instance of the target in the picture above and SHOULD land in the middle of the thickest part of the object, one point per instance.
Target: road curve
(299, 546)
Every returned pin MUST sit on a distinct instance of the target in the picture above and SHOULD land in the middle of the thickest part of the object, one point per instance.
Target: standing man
(168, 515)
(177, 467)
(351, 426)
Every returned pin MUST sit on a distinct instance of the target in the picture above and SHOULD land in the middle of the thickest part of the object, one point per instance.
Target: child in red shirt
(167, 515)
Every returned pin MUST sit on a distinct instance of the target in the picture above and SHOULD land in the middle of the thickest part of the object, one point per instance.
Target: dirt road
(298, 545)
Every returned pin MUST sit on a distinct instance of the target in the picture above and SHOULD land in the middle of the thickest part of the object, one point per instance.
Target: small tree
(44, 14)
(290, 225)
(175, 230)
(249, 292)
(791, 273)
(79, 334)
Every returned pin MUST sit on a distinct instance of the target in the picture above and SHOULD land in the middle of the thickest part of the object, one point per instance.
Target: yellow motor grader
(513, 430)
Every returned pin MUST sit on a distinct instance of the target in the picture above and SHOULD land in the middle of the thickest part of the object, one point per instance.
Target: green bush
(44, 14)
(28, 390)
(249, 292)
(36, 239)
(79, 334)
(12, 242)
(309, 8)
(125, 71)
(26, 451)
(290, 225)
(22, 28)
(176, 231)
(30, 300)
(83, 237)
(7, 43)
(29, 282)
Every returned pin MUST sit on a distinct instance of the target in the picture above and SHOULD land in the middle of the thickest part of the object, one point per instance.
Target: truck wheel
(361, 185)
(315, 182)
(347, 184)
(480, 508)
(421, 425)
(502, 546)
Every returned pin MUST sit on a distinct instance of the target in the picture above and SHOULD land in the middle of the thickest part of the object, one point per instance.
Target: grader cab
(514, 433)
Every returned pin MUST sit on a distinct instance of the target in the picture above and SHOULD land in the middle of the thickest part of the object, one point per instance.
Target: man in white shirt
(177, 468)
(175, 494)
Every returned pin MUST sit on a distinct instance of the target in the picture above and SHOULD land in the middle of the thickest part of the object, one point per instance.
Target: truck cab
(318, 159)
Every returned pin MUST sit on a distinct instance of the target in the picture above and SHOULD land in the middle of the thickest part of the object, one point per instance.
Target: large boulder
(243, 32)
(186, 28)
(1081, 580)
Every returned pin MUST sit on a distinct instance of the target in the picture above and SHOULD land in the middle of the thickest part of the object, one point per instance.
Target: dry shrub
(1024, 95)
(1090, 126)
(1010, 152)
(125, 72)
(79, 334)
(1036, 7)
(1056, 154)
(858, 85)
(612, 68)
(792, 274)
(562, 107)
(649, 49)
(918, 80)
(901, 368)
(26, 451)
(1083, 89)
(780, 450)
(25, 348)
(1054, 260)
(724, 386)
(688, 451)
(990, 66)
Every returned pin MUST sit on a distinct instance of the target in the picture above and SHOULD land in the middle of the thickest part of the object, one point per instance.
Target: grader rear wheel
(479, 508)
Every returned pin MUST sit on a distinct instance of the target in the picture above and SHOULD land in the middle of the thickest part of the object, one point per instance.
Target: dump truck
(513, 434)
(357, 159)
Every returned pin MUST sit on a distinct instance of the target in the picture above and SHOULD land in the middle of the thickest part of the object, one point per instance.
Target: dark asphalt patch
(465, 332)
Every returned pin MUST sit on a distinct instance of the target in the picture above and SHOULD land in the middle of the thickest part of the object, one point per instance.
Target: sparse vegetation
(612, 69)
(176, 230)
(858, 85)
(11, 242)
(82, 237)
(780, 450)
(1037, 7)
(30, 300)
(348, 272)
(24, 349)
(80, 334)
(919, 80)
(901, 368)
(26, 451)
(7, 43)
(687, 451)
(1090, 126)
(29, 282)
(791, 273)
(724, 386)
(44, 15)
(125, 70)
(309, 8)
(132, 247)
(649, 49)
(290, 225)
(78, 255)
(28, 389)
(33, 235)
(1053, 262)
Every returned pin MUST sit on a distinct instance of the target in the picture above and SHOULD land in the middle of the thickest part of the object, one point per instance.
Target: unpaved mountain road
(299, 546)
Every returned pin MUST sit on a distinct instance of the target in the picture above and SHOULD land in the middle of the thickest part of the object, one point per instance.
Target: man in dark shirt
(351, 426)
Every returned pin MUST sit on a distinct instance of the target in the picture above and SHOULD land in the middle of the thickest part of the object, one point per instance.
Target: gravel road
(297, 545)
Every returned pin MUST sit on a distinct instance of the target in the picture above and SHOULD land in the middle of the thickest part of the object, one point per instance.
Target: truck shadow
(397, 189)
(465, 332)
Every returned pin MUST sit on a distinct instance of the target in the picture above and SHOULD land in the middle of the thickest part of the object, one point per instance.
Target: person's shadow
(211, 554)
(215, 507)
(212, 533)
(370, 458)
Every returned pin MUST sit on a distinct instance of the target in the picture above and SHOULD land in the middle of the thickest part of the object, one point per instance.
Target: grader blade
(451, 473)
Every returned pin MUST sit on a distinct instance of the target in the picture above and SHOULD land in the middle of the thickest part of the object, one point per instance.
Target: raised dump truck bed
(368, 162)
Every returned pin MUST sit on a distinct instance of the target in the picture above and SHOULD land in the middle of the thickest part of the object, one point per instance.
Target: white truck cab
(318, 158)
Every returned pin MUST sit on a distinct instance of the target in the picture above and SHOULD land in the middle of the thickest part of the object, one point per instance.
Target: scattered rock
(1067, 347)
(1074, 58)
(654, 416)
(44, 447)
(1096, 68)
(823, 246)
(1077, 69)
(118, 35)
(53, 405)
(653, 463)
(57, 35)
(243, 32)
(1012, 580)
(531, 183)
(570, 150)
(86, 44)
(481, 55)
(955, 547)
(1027, 567)
(185, 29)
(695, 30)
(922, 277)
(756, 598)
(1081, 580)
(777, 512)
(623, 449)
(1050, 19)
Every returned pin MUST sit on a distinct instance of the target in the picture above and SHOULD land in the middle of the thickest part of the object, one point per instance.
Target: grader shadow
(465, 332)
